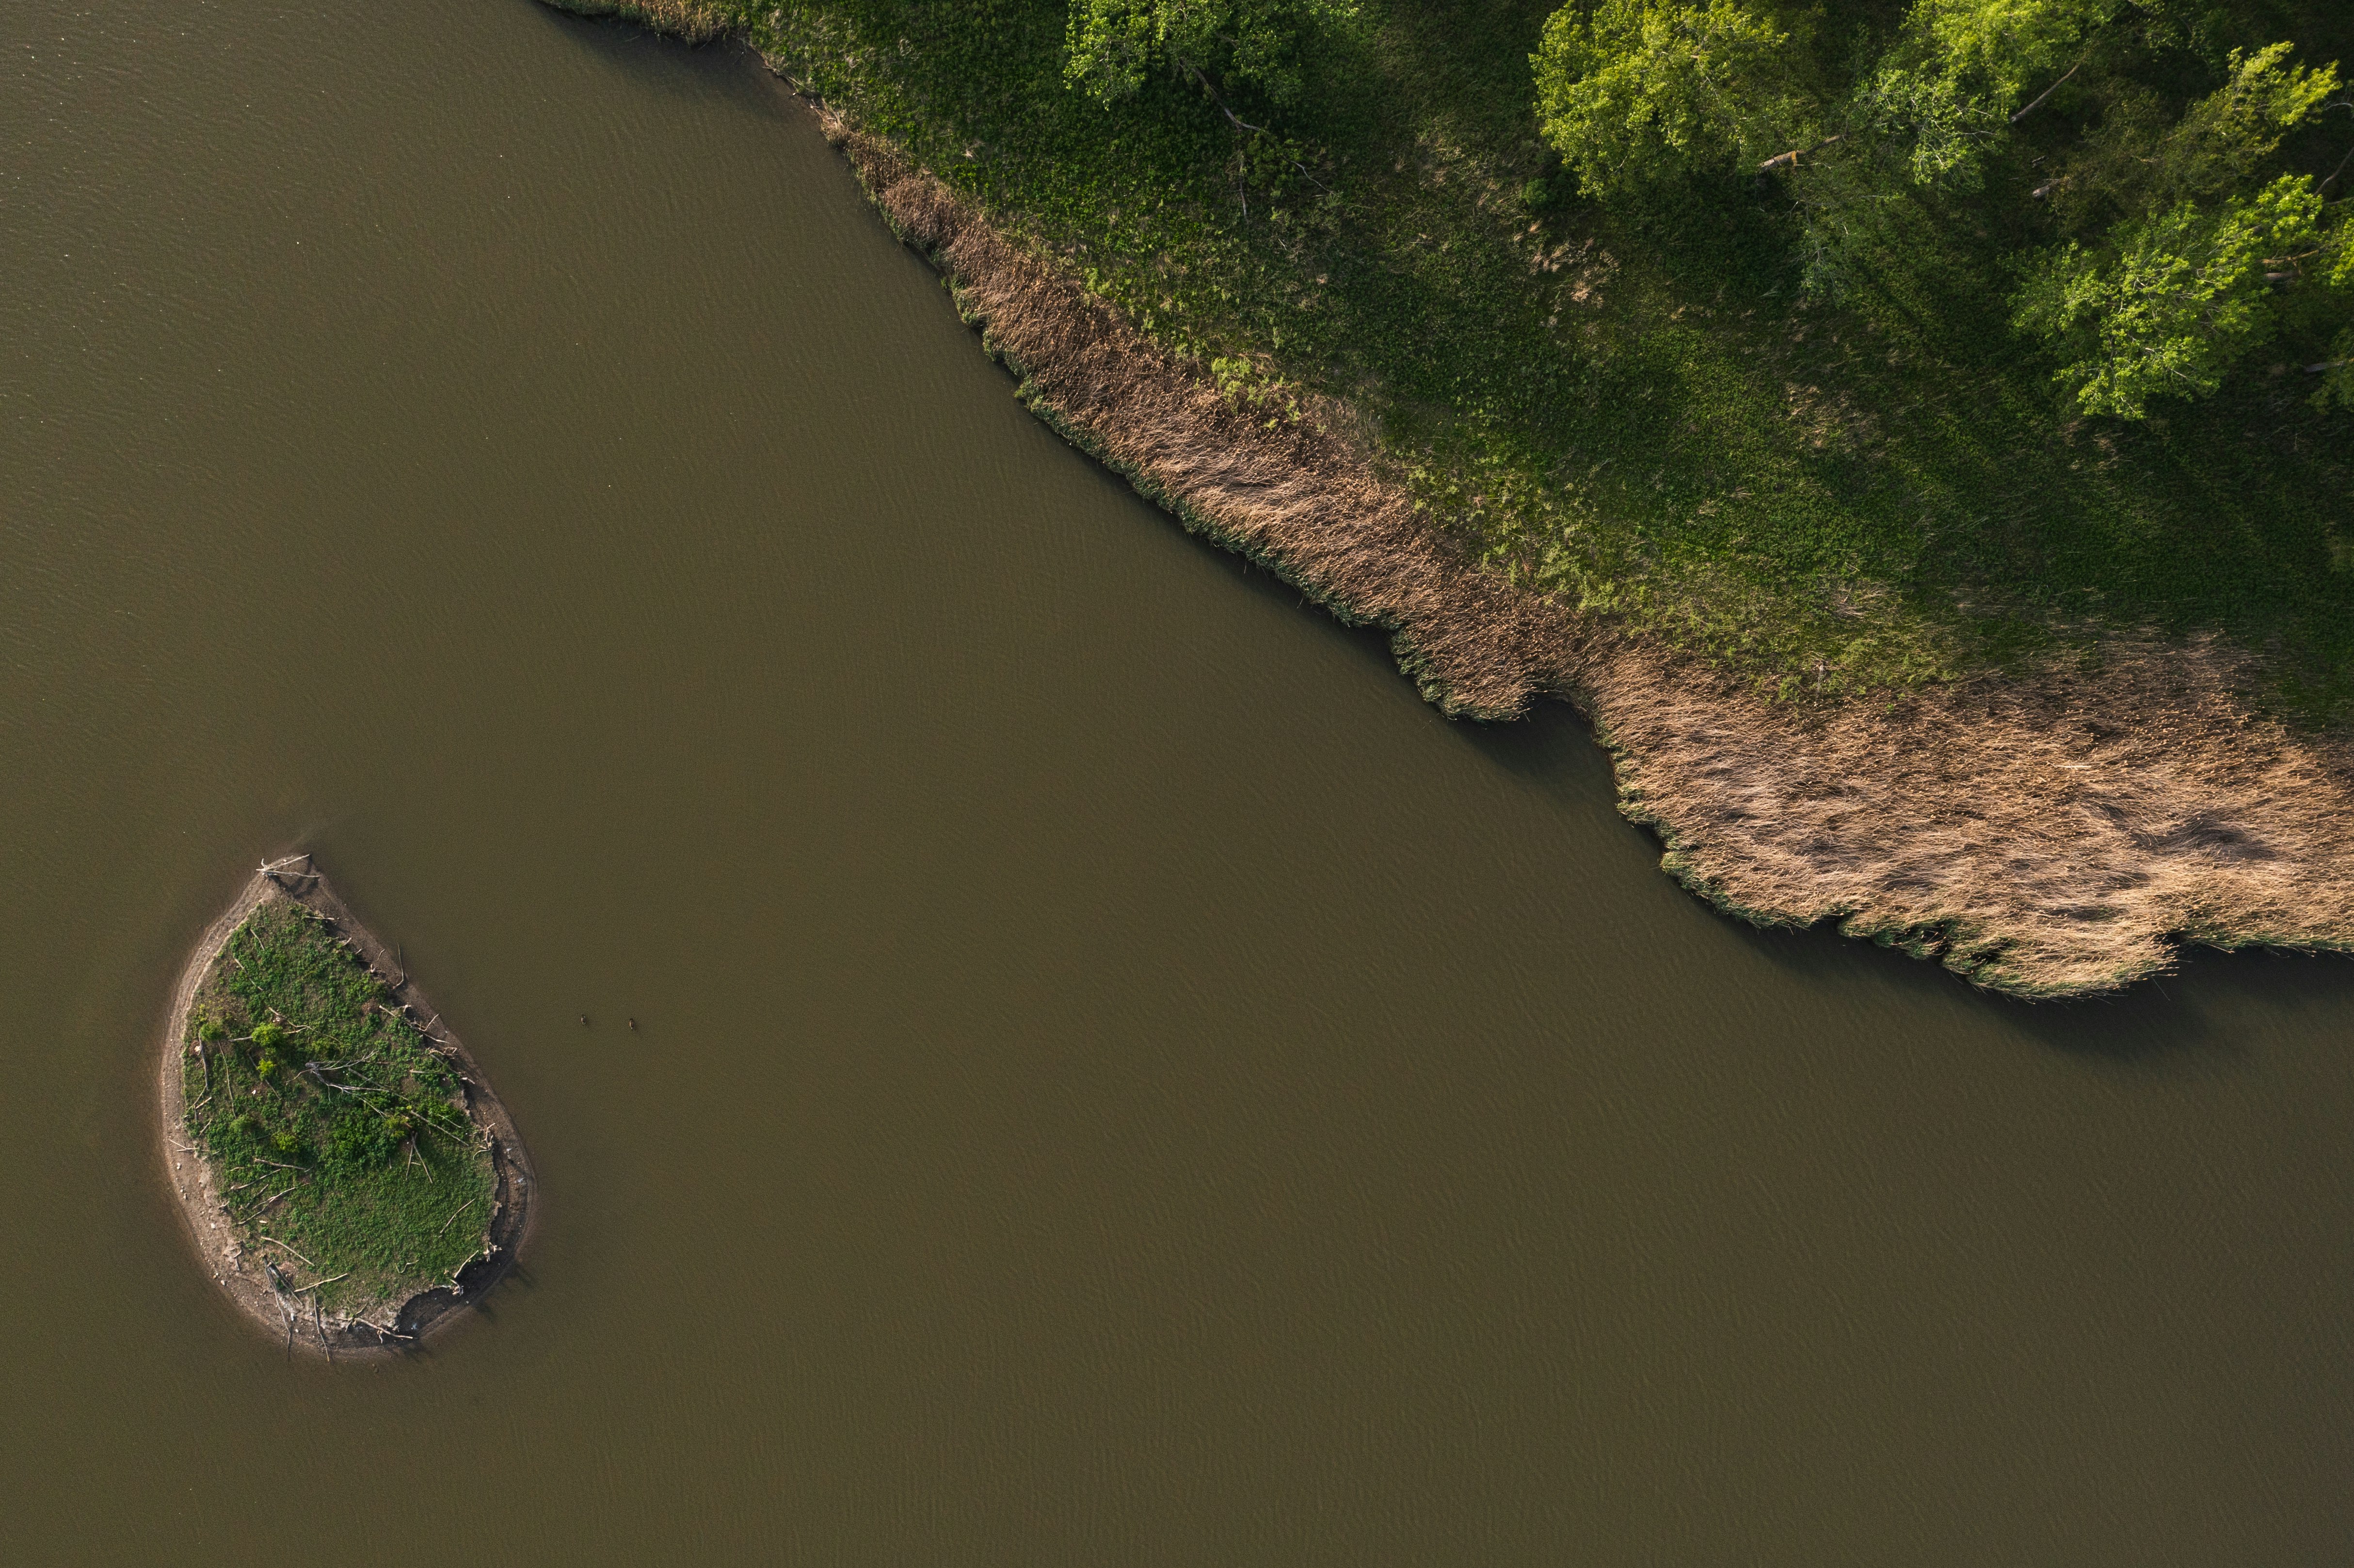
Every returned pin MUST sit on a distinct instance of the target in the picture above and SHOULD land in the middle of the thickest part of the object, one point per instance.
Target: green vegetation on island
(1853, 343)
(340, 1141)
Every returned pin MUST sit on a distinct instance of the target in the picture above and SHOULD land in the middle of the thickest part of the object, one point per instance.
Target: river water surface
(1119, 1080)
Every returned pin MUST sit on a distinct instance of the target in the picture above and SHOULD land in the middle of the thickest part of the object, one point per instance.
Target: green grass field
(1636, 407)
(340, 1141)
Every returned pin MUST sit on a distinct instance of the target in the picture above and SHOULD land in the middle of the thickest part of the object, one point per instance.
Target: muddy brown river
(1117, 1079)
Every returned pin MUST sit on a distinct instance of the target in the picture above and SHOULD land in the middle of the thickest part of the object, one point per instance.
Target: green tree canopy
(1641, 88)
(1997, 50)
(2167, 299)
(2184, 295)
(1113, 44)
(1946, 88)
(1629, 91)
(2182, 244)
(2136, 158)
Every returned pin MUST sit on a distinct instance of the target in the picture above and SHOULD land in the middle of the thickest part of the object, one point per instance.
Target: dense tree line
(2170, 235)
(2176, 239)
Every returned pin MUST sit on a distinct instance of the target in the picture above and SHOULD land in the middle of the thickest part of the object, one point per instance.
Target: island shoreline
(190, 1173)
(2053, 836)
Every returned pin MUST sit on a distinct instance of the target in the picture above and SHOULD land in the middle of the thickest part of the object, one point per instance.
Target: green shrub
(211, 1031)
(267, 1036)
(357, 1139)
(285, 1142)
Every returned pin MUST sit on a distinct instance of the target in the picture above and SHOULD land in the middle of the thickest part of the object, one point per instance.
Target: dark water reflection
(1120, 1080)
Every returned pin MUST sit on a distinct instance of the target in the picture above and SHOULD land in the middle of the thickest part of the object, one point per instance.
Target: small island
(347, 1174)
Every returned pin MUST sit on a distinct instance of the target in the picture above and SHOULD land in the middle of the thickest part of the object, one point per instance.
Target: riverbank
(379, 1177)
(2052, 830)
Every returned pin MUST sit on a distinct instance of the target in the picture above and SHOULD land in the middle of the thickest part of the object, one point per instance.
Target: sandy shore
(221, 1248)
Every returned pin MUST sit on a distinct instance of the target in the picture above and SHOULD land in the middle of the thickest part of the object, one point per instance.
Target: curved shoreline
(192, 1177)
(2049, 837)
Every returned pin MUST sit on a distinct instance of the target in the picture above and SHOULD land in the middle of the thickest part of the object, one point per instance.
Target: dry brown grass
(2047, 837)
(679, 18)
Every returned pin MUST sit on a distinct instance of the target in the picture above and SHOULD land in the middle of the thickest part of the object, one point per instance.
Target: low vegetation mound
(341, 1145)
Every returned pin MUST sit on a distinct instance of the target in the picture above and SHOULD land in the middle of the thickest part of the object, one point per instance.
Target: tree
(2224, 138)
(1632, 91)
(2184, 296)
(1112, 45)
(1923, 117)
(2337, 270)
(1995, 51)
(2169, 296)
(2137, 160)
(1949, 85)
(1643, 88)
(2182, 243)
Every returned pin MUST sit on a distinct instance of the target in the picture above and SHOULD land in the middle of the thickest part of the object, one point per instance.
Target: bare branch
(1794, 154)
(2046, 94)
(1241, 123)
